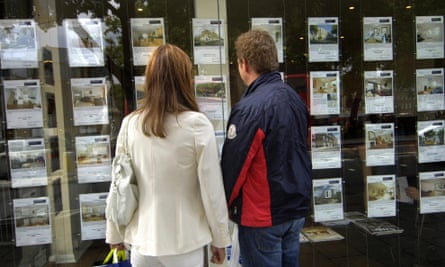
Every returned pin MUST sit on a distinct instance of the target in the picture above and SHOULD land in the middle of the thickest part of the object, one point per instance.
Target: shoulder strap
(122, 140)
(125, 136)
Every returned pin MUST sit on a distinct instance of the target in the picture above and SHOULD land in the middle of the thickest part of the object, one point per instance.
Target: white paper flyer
(429, 37)
(379, 93)
(325, 92)
(90, 104)
(208, 41)
(92, 215)
(377, 38)
(27, 162)
(379, 144)
(211, 96)
(381, 194)
(431, 141)
(84, 39)
(32, 221)
(93, 155)
(23, 102)
(146, 35)
(430, 89)
(432, 192)
(139, 93)
(323, 39)
(328, 199)
(326, 147)
(274, 26)
(18, 44)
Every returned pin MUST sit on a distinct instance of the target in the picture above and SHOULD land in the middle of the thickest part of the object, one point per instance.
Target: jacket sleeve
(210, 180)
(240, 147)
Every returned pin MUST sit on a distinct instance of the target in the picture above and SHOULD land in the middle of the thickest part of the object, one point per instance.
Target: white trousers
(194, 258)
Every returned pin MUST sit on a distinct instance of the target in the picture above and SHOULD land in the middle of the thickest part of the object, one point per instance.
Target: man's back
(272, 121)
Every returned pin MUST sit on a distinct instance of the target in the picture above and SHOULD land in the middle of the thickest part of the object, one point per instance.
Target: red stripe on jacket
(254, 184)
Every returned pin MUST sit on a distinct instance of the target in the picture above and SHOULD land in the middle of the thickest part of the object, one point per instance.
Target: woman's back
(168, 172)
(182, 206)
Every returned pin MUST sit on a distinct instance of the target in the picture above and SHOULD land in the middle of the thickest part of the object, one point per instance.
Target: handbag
(122, 200)
(114, 258)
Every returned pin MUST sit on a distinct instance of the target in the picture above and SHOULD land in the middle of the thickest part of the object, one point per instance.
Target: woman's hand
(218, 255)
(119, 246)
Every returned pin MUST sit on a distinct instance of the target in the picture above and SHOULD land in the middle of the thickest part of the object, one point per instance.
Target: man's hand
(218, 255)
(413, 192)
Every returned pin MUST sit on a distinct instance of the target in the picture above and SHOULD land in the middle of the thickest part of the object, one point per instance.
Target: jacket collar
(264, 78)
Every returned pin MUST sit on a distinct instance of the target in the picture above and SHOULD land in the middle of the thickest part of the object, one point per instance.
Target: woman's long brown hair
(168, 88)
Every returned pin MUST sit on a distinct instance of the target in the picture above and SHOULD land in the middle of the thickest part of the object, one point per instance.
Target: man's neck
(251, 78)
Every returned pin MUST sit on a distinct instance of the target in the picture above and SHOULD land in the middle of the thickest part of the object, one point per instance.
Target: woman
(182, 205)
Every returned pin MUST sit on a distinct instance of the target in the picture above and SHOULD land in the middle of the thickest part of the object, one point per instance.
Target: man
(265, 162)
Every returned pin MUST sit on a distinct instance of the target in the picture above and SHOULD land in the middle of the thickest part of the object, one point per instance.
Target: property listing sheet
(139, 93)
(84, 40)
(18, 44)
(325, 92)
(429, 37)
(32, 221)
(377, 38)
(323, 39)
(208, 41)
(146, 35)
(431, 143)
(92, 215)
(327, 199)
(93, 155)
(430, 89)
(23, 104)
(379, 93)
(90, 102)
(379, 144)
(432, 191)
(210, 93)
(381, 195)
(326, 147)
(27, 162)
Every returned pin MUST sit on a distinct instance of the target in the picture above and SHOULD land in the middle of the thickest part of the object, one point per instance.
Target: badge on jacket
(231, 133)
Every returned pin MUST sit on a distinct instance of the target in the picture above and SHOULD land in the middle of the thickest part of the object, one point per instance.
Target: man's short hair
(259, 49)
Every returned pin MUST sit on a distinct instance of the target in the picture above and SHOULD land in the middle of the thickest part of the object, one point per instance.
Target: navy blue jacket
(265, 162)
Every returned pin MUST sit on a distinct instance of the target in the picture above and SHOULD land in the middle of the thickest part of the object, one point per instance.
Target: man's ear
(244, 64)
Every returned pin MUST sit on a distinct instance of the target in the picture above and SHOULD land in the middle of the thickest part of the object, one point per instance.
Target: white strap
(122, 145)
(125, 133)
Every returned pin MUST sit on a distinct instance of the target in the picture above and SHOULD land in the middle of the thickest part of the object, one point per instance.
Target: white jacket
(182, 205)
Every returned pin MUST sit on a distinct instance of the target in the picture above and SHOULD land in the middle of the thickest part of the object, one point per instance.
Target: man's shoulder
(268, 95)
(278, 93)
